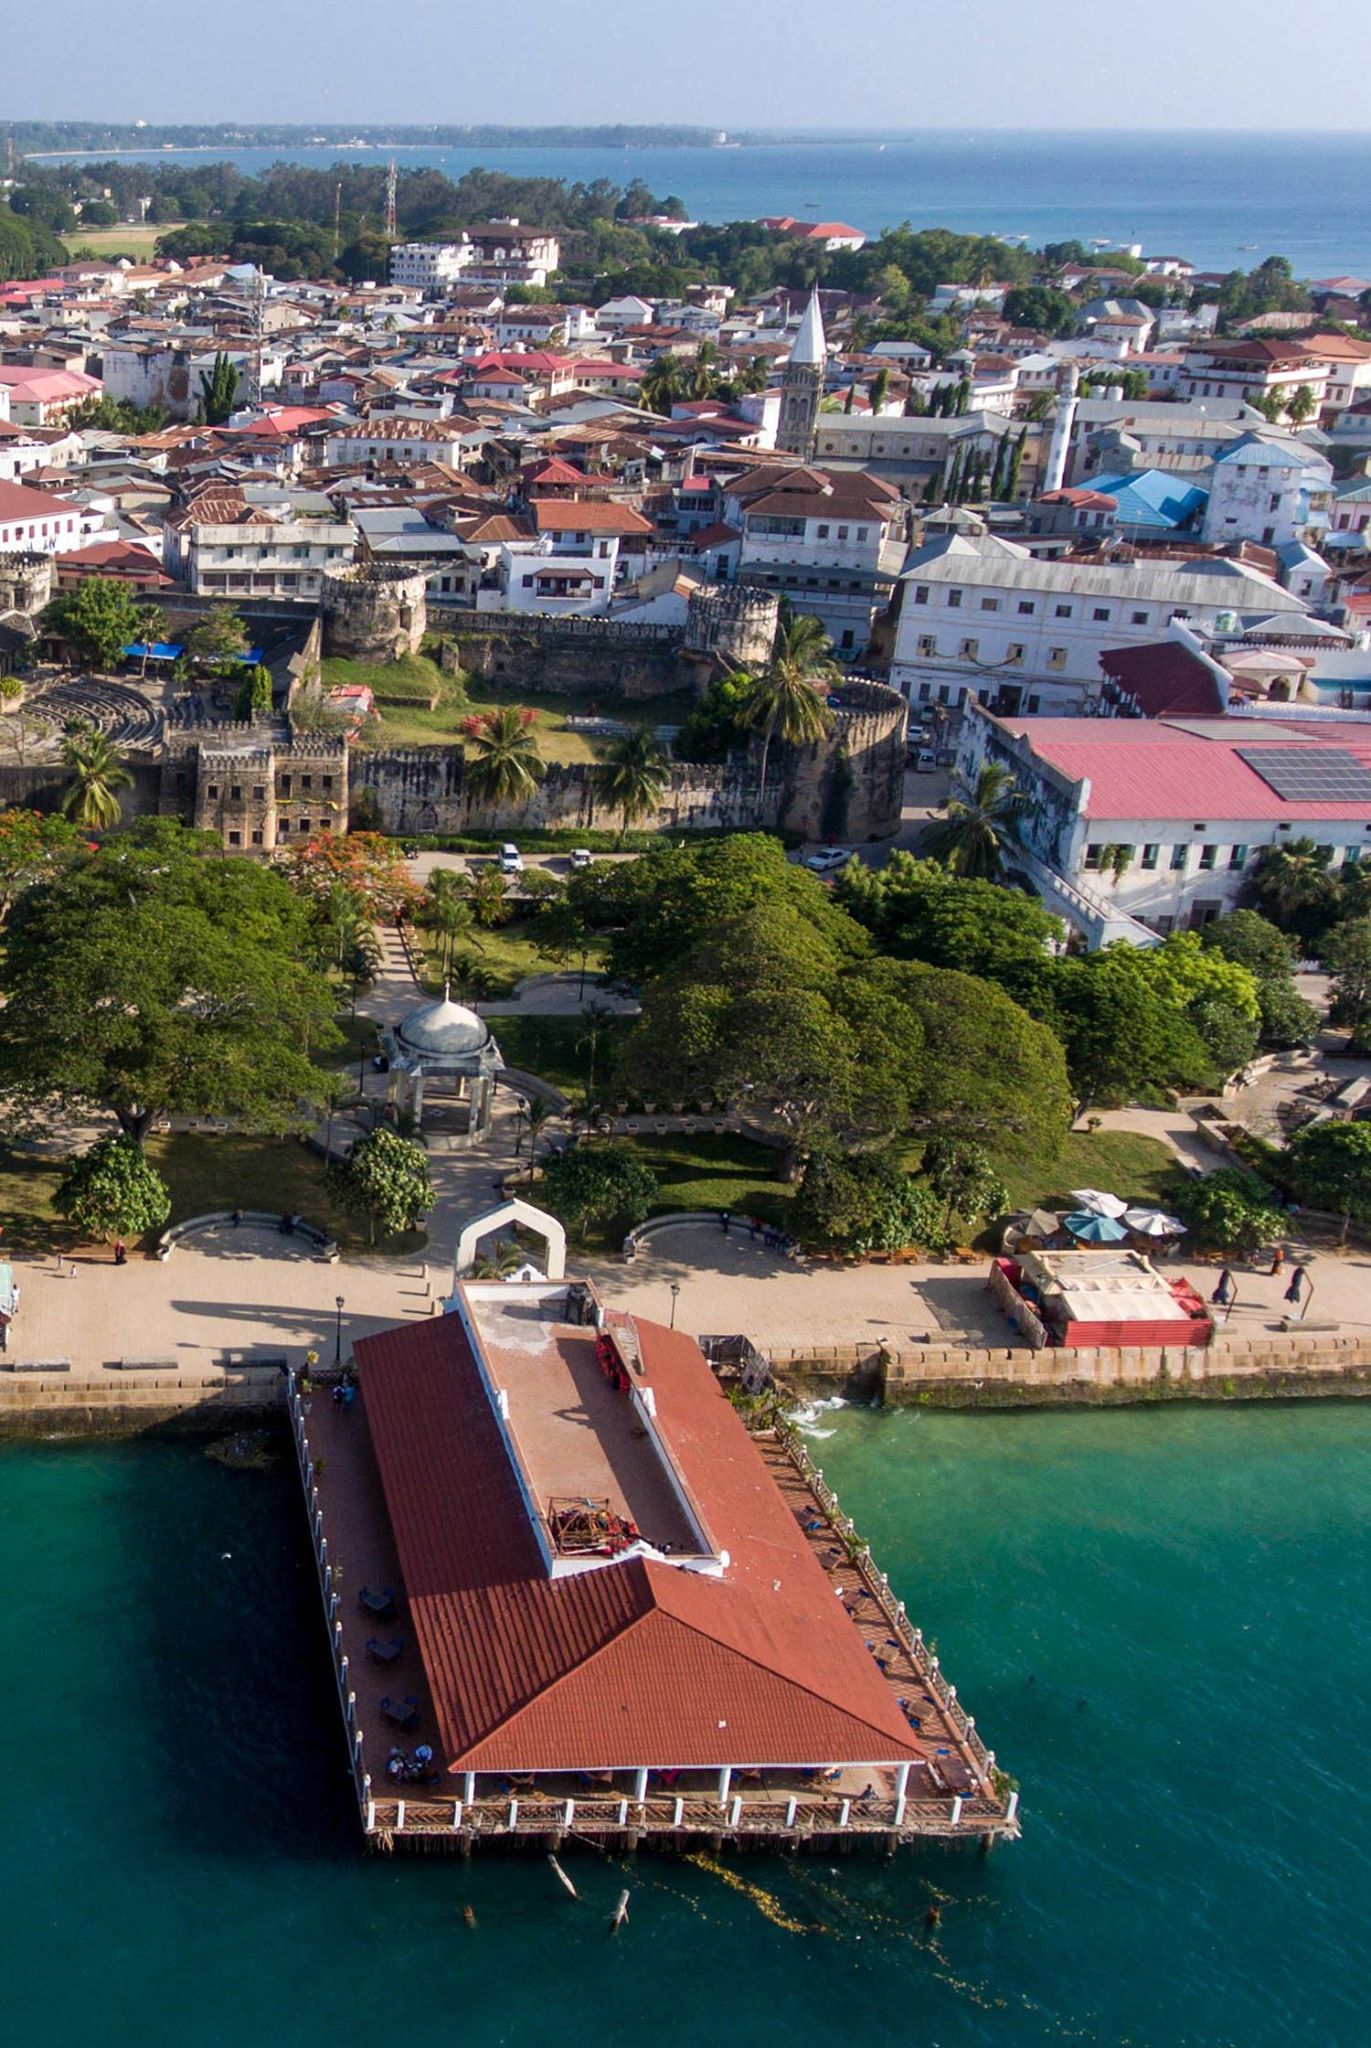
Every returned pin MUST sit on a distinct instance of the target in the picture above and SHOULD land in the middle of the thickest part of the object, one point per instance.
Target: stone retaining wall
(114, 1402)
(983, 1376)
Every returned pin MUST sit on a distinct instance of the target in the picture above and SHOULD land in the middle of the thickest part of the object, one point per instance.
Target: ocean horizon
(1222, 199)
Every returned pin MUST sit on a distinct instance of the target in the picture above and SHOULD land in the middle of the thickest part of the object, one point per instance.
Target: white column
(901, 1787)
(468, 1787)
(640, 1784)
(725, 1780)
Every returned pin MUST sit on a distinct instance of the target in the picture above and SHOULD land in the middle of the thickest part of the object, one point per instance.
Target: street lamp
(338, 1332)
(675, 1290)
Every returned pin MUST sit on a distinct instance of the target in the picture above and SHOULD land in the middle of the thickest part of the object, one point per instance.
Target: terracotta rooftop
(745, 1659)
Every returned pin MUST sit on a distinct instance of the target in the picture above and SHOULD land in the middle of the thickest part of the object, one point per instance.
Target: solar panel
(1314, 775)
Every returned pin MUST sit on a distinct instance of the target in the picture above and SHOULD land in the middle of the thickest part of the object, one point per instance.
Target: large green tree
(1230, 1210)
(1330, 1164)
(599, 1184)
(786, 700)
(31, 845)
(98, 618)
(1347, 955)
(863, 1202)
(152, 977)
(113, 1190)
(385, 1178)
(635, 776)
(218, 390)
(989, 1073)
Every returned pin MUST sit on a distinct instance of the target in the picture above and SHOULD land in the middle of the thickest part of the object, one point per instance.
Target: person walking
(1277, 1260)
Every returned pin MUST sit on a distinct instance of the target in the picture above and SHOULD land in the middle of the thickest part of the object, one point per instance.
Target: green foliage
(1269, 288)
(116, 416)
(28, 247)
(1229, 1210)
(1123, 1038)
(113, 1190)
(920, 910)
(503, 766)
(1252, 940)
(1347, 956)
(217, 637)
(1041, 307)
(718, 722)
(863, 1202)
(1287, 1020)
(963, 1176)
(31, 845)
(253, 699)
(97, 617)
(154, 976)
(1330, 1164)
(98, 773)
(1292, 886)
(385, 1178)
(989, 1072)
(607, 1184)
(635, 777)
(969, 838)
(218, 390)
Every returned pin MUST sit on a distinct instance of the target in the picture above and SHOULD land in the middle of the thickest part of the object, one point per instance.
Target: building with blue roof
(1152, 503)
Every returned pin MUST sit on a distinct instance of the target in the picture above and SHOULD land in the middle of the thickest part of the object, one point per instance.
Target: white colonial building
(982, 618)
(1132, 828)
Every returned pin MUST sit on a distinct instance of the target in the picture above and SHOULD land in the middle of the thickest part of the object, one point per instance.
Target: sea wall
(110, 1401)
(1274, 1363)
(587, 658)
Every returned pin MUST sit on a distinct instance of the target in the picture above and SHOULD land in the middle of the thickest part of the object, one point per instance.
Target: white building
(223, 545)
(830, 542)
(1131, 828)
(982, 618)
(1267, 490)
(428, 266)
(36, 523)
(572, 567)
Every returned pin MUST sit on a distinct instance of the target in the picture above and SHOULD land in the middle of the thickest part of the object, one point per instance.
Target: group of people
(406, 1769)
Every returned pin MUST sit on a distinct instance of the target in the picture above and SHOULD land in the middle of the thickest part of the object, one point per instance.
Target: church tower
(802, 384)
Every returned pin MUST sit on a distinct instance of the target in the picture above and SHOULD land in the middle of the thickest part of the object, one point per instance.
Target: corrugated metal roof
(631, 1664)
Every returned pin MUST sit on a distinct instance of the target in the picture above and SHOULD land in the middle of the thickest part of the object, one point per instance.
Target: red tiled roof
(633, 1664)
(17, 501)
(1147, 768)
(586, 515)
(1164, 680)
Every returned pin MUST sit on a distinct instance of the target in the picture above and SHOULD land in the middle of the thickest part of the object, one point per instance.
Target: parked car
(925, 761)
(828, 858)
(580, 857)
(511, 860)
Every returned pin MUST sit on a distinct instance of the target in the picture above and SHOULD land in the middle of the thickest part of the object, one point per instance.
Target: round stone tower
(26, 585)
(732, 624)
(374, 611)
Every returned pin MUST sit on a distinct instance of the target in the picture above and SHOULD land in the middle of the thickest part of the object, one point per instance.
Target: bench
(8, 1364)
(142, 1365)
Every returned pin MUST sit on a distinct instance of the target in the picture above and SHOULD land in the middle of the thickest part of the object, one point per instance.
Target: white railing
(535, 1813)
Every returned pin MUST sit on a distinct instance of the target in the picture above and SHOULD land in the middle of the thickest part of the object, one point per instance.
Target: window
(259, 792)
(1101, 613)
(257, 839)
(328, 782)
(236, 793)
(927, 645)
(1056, 657)
(1033, 704)
(1026, 607)
(954, 598)
(235, 839)
(1092, 856)
(921, 593)
(306, 782)
(1015, 654)
(528, 583)
(1178, 854)
(990, 604)
(1208, 856)
(1061, 611)
(969, 649)
(1149, 856)
(842, 532)
(213, 790)
(924, 692)
(823, 532)
(1237, 856)
(1137, 618)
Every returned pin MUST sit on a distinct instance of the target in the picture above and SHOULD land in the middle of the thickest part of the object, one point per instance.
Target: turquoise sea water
(1200, 196)
(1159, 1618)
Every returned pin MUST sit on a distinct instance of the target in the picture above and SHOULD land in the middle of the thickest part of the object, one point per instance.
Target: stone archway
(513, 1211)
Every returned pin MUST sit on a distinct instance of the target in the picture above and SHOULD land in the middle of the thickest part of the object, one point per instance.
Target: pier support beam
(901, 1789)
(725, 1780)
(640, 1785)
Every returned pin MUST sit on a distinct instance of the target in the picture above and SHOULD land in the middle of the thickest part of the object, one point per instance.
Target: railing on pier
(347, 1698)
(893, 1610)
(804, 1815)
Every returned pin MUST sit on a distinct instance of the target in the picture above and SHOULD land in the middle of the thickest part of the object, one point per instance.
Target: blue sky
(733, 63)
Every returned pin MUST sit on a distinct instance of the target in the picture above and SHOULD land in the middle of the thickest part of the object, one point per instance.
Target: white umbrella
(1103, 1205)
(1153, 1223)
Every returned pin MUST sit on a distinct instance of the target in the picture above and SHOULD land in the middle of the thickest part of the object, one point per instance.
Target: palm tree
(503, 1258)
(98, 771)
(446, 911)
(662, 384)
(1292, 878)
(634, 776)
(470, 977)
(969, 839)
(786, 697)
(151, 627)
(505, 766)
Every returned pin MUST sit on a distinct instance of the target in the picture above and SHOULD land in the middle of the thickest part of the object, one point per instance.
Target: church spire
(802, 384)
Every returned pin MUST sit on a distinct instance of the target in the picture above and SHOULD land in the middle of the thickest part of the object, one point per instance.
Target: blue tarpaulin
(156, 650)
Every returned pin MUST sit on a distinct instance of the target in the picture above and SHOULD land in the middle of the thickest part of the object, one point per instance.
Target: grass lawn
(507, 953)
(554, 1048)
(415, 725)
(703, 1172)
(126, 239)
(203, 1173)
(359, 1036)
(1120, 1162)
